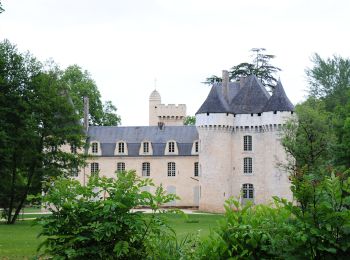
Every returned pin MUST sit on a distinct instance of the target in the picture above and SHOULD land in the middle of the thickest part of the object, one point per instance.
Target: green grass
(20, 241)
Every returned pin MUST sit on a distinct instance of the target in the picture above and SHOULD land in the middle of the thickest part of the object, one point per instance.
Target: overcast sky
(126, 44)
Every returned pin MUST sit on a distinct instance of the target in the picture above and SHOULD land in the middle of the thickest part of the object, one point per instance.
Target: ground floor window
(94, 168)
(146, 169)
(247, 192)
(171, 169)
(120, 167)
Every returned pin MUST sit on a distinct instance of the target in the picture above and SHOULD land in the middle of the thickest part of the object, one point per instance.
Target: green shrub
(96, 221)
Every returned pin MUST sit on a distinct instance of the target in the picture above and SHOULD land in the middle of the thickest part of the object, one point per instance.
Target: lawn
(20, 241)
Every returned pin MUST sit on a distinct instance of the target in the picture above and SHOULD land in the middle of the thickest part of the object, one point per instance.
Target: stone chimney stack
(86, 114)
(225, 83)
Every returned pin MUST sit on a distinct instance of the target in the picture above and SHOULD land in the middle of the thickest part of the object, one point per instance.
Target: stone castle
(233, 150)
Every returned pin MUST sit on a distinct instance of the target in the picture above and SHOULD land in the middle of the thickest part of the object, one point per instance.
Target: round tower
(154, 103)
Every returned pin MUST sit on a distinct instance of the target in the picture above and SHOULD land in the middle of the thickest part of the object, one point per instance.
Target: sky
(127, 44)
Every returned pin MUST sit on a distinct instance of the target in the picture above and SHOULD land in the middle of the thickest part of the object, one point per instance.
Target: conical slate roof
(214, 102)
(279, 100)
(251, 98)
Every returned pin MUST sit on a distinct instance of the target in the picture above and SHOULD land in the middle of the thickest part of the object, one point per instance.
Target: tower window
(248, 191)
(275, 112)
(120, 167)
(196, 170)
(248, 165)
(145, 147)
(171, 147)
(94, 147)
(94, 168)
(171, 169)
(146, 169)
(247, 143)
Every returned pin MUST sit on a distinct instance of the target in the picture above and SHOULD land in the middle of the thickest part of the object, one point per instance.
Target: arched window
(247, 192)
(120, 167)
(94, 168)
(146, 169)
(171, 169)
(247, 143)
(94, 147)
(248, 165)
(121, 147)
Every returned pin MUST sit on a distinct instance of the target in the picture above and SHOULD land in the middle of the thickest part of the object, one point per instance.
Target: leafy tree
(190, 120)
(36, 120)
(96, 221)
(81, 84)
(1, 9)
(260, 67)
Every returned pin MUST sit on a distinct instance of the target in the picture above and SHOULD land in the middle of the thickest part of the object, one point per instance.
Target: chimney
(225, 82)
(86, 113)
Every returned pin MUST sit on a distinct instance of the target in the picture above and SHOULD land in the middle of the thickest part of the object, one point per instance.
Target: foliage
(260, 67)
(81, 84)
(36, 120)
(309, 138)
(249, 232)
(96, 221)
(1, 8)
(190, 120)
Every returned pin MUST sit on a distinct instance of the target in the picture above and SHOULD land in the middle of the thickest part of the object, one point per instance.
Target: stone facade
(234, 149)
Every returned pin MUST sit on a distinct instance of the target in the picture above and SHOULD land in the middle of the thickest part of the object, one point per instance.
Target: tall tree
(36, 121)
(81, 84)
(1, 9)
(260, 67)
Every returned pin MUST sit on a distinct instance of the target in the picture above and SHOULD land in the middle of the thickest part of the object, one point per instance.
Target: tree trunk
(13, 182)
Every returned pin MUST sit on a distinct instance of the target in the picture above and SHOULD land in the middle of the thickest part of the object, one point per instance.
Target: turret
(154, 102)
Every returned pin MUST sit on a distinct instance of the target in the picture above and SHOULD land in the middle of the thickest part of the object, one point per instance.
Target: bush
(96, 221)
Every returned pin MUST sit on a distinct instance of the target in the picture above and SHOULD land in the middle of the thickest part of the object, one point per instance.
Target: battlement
(262, 122)
(171, 110)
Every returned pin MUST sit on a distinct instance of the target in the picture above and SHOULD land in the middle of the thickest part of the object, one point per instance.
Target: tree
(81, 84)
(36, 121)
(259, 67)
(1, 9)
(190, 120)
(96, 221)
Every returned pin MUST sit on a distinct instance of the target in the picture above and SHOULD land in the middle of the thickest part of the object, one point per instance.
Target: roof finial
(155, 83)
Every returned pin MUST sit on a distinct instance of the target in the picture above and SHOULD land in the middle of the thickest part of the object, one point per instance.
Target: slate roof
(108, 136)
(279, 100)
(246, 98)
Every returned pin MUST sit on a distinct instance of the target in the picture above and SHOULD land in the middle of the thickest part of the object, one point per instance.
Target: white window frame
(120, 166)
(171, 147)
(171, 169)
(248, 191)
(248, 165)
(146, 169)
(94, 147)
(145, 147)
(247, 143)
(121, 147)
(94, 168)
(196, 169)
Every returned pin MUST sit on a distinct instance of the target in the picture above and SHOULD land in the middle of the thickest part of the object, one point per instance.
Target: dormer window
(146, 147)
(121, 148)
(171, 147)
(196, 147)
(94, 147)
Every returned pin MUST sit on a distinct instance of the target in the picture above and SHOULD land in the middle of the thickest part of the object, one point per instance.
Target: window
(171, 169)
(120, 167)
(74, 171)
(248, 191)
(121, 148)
(196, 172)
(247, 143)
(171, 147)
(145, 147)
(73, 148)
(146, 169)
(94, 148)
(94, 167)
(196, 147)
(248, 165)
